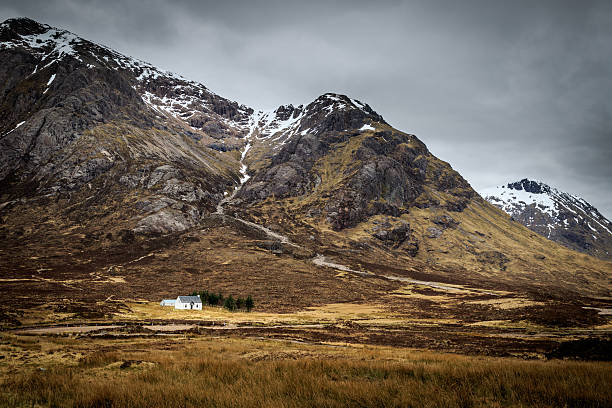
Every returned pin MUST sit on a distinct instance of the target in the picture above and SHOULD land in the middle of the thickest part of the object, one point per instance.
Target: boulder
(445, 221)
(434, 232)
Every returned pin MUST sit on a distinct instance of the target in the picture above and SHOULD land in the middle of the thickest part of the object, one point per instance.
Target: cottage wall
(187, 305)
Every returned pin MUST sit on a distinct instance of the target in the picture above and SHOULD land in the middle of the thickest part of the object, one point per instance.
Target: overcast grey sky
(500, 89)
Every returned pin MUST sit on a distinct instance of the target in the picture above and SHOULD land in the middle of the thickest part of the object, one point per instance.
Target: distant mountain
(561, 217)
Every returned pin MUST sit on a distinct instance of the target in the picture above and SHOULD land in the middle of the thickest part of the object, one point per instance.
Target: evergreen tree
(230, 303)
(213, 299)
(204, 296)
(239, 303)
(248, 303)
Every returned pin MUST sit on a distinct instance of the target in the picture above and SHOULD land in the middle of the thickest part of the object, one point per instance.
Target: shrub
(239, 303)
(127, 236)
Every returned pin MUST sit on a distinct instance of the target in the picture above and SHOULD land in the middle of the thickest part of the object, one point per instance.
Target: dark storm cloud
(502, 90)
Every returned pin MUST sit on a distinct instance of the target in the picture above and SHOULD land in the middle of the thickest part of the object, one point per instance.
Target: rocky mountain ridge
(556, 215)
(58, 87)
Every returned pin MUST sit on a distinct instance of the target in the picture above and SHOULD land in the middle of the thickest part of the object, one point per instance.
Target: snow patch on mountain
(171, 95)
(51, 80)
(15, 128)
(50, 46)
(278, 125)
(509, 198)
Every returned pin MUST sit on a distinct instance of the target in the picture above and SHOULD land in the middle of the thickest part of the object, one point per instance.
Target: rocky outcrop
(53, 121)
(395, 235)
(286, 179)
(445, 221)
(168, 221)
(495, 258)
(530, 186)
(336, 113)
(385, 171)
(389, 178)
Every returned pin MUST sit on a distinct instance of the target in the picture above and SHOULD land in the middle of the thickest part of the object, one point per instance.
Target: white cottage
(188, 302)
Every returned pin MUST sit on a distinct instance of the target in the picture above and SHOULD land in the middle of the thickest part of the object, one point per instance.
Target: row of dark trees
(230, 303)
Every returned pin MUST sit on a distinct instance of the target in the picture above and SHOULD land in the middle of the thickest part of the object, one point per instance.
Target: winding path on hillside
(321, 260)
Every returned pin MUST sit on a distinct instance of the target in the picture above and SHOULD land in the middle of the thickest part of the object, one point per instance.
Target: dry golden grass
(181, 372)
(508, 303)
(327, 313)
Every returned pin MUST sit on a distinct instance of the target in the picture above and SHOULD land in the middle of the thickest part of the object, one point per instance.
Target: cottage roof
(189, 299)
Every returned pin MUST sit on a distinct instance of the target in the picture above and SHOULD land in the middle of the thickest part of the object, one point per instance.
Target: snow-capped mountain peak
(522, 194)
(168, 94)
(329, 111)
(557, 215)
(187, 103)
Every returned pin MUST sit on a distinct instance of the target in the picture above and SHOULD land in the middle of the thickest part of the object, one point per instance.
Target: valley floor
(339, 323)
(84, 327)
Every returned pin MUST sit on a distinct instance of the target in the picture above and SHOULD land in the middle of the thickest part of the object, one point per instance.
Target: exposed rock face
(333, 112)
(559, 216)
(167, 221)
(289, 171)
(530, 186)
(78, 117)
(54, 120)
(396, 235)
(385, 171)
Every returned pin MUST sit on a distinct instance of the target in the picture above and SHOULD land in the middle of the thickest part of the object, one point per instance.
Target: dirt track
(65, 329)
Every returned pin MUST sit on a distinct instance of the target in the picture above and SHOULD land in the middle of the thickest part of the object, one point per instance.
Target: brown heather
(252, 373)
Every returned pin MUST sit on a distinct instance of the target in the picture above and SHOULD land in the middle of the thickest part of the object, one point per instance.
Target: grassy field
(230, 372)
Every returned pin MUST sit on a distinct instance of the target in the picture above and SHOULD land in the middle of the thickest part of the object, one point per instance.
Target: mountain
(561, 217)
(73, 110)
(120, 180)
